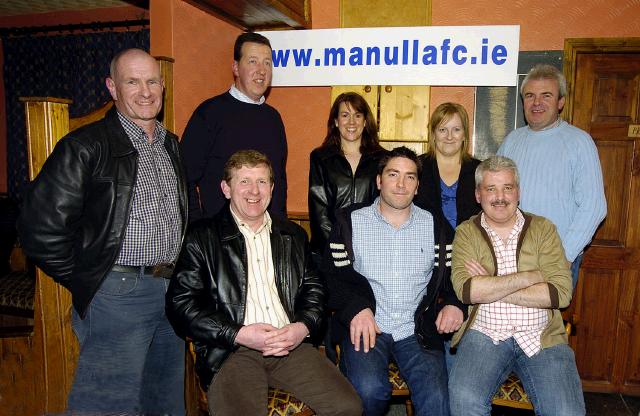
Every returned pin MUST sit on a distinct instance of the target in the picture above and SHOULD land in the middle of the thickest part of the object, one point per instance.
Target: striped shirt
(153, 231)
(263, 302)
(499, 320)
(397, 263)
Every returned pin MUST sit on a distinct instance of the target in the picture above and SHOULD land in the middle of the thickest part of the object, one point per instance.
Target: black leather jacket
(75, 213)
(206, 298)
(332, 186)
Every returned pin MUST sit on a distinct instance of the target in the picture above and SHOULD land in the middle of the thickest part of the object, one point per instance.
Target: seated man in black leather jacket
(246, 292)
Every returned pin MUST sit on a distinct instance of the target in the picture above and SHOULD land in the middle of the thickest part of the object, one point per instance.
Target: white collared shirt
(263, 302)
(500, 320)
(240, 96)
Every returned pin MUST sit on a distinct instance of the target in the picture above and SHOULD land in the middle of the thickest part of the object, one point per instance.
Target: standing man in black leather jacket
(247, 292)
(105, 218)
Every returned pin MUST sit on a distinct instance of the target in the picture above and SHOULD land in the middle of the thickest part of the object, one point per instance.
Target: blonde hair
(443, 113)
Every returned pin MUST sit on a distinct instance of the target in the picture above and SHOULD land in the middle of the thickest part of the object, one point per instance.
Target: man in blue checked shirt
(389, 285)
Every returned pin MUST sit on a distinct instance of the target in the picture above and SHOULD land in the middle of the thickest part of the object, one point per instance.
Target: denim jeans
(550, 377)
(423, 370)
(448, 357)
(575, 270)
(130, 359)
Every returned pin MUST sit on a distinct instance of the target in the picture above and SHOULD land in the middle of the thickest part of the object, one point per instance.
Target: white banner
(431, 55)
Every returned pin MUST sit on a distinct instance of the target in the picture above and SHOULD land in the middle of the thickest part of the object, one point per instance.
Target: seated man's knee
(370, 387)
(464, 400)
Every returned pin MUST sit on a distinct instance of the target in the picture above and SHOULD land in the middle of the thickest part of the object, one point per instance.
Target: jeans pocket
(117, 284)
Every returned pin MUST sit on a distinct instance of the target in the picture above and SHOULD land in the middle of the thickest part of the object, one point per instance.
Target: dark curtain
(64, 66)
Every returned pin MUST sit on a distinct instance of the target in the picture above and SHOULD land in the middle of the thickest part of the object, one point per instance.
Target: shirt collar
(137, 133)
(240, 96)
(517, 226)
(378, 214)
(243, 225)
(552, 125)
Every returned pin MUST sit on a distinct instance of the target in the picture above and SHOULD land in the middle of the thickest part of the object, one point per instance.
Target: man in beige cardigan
(510, 265)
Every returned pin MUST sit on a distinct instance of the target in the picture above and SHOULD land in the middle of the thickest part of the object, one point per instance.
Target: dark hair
(248, 37)
(441, 115)
(249, 158)
(369, 142)
(401, 151)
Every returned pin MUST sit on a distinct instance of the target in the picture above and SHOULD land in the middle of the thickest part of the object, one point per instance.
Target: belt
(159, 270)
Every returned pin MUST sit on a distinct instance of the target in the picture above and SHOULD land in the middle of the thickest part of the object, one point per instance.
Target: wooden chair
(279, 402)
(399, 388)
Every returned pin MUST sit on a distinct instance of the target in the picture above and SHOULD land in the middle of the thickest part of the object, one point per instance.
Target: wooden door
(606, 101)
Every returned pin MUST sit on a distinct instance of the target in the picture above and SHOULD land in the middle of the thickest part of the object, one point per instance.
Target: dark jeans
(423, 370)
(130, 359)
(575, 270)
(240, 387)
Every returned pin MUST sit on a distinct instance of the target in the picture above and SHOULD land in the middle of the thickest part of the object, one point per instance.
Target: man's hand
(449, 319)
(254, 336)
(285, 339)
(364, 326)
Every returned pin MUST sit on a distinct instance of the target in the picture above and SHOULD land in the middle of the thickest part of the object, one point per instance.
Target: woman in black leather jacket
(343, 169)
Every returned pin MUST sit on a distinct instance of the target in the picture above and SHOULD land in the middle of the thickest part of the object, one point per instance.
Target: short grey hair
(545, 71)
(496, 164)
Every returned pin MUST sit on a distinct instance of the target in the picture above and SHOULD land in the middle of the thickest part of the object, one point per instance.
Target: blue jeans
(575, 270)
(550, 377)
(448, 357)
(130, 358)
(423, 370)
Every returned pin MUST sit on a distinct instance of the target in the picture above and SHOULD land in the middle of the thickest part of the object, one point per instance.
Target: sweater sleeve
(197, 143)
(553, 265)
(589, 197)
(279, 199)
(348, 289)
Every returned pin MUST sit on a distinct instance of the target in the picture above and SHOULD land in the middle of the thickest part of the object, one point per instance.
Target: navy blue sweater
(219, 127)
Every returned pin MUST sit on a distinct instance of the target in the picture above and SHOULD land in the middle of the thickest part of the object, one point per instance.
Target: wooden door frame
(575, 46)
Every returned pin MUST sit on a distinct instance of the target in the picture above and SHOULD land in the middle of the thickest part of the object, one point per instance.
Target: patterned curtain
(64, 66)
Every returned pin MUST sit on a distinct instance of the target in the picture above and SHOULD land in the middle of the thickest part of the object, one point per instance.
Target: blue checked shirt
(398, 264)
(153, 233)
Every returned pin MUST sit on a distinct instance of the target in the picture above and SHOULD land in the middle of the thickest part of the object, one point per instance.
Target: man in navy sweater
(236, 120)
